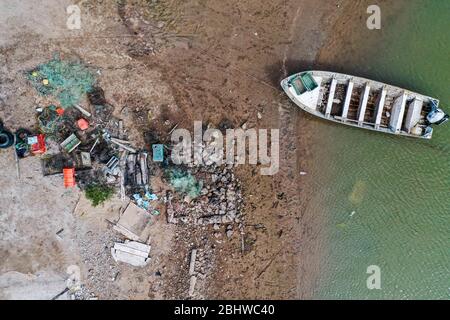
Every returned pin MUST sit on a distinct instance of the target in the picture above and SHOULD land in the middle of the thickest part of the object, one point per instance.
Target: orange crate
(69, 177)
(39, 147)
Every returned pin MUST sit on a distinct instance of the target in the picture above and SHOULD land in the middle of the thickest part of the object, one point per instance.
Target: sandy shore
(232, 72)
(221, 64)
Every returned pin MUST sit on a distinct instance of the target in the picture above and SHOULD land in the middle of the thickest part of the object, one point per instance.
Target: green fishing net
(68, 81)
(49, 120)
(184, 183)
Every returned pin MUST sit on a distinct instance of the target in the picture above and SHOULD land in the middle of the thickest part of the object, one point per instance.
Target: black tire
(6, 139)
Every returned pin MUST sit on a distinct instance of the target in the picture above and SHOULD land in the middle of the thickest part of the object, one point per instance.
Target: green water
(397, 188)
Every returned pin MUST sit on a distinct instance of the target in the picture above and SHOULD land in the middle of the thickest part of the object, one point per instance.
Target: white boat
(364, 103)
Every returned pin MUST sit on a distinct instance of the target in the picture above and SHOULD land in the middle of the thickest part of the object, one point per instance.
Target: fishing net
(66, 80)
(49, 121)
(184, 183)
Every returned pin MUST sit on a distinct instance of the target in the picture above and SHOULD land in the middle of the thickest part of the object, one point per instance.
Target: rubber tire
(6, 139)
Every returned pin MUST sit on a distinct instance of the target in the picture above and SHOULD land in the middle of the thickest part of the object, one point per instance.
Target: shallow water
(386, 199)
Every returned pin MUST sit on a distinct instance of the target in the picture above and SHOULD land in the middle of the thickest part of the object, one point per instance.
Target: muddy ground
(163, 63)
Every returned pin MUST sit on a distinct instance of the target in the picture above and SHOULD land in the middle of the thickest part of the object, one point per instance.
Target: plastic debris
(111, 165)
(86, 159)
(97, 96)
(49, 120)
(60, 111)
(158, 152)
(69, 177)
(184, 183)
(83, 124)
(131, 252)
(144, 201)
(70, 143)
(37, 144)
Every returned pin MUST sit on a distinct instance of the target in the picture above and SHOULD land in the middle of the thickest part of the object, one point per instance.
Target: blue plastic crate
(158, 152)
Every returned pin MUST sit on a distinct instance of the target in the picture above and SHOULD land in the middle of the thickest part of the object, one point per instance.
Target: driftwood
(193, 278)
(93, 146)
(60, 294)
(120, 141)
(192, 262)
(130, 171)
(192, 282)
(131, 163)
(83, 111)
(173, 129)
(143, 165)
(122, 166)
(120, 129)
(76, 206)
(123, 146)
(138, 177)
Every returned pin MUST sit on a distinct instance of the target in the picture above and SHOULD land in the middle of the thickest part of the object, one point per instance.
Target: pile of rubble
(220, 201)
(199, 267)
(86, 143)
(102, 272)
(90, 142)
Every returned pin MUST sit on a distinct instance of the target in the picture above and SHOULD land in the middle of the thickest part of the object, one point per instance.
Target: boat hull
(324, 77)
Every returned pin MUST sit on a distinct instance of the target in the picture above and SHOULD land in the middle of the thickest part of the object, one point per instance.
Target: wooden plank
(330, 98)
(348, 98)
(397, 113)
(137, 251)
(363, 104)
(413, 115)
(380, 107)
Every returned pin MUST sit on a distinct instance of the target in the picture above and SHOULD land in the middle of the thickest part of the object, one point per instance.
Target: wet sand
(225, 69)
(230, 73)
(226, 72)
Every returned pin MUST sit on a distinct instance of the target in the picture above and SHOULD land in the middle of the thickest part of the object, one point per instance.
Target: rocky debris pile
(202, 263)
(197, 269)
(102, 270)
(82, 294)
(220, 201)
(200, 266)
